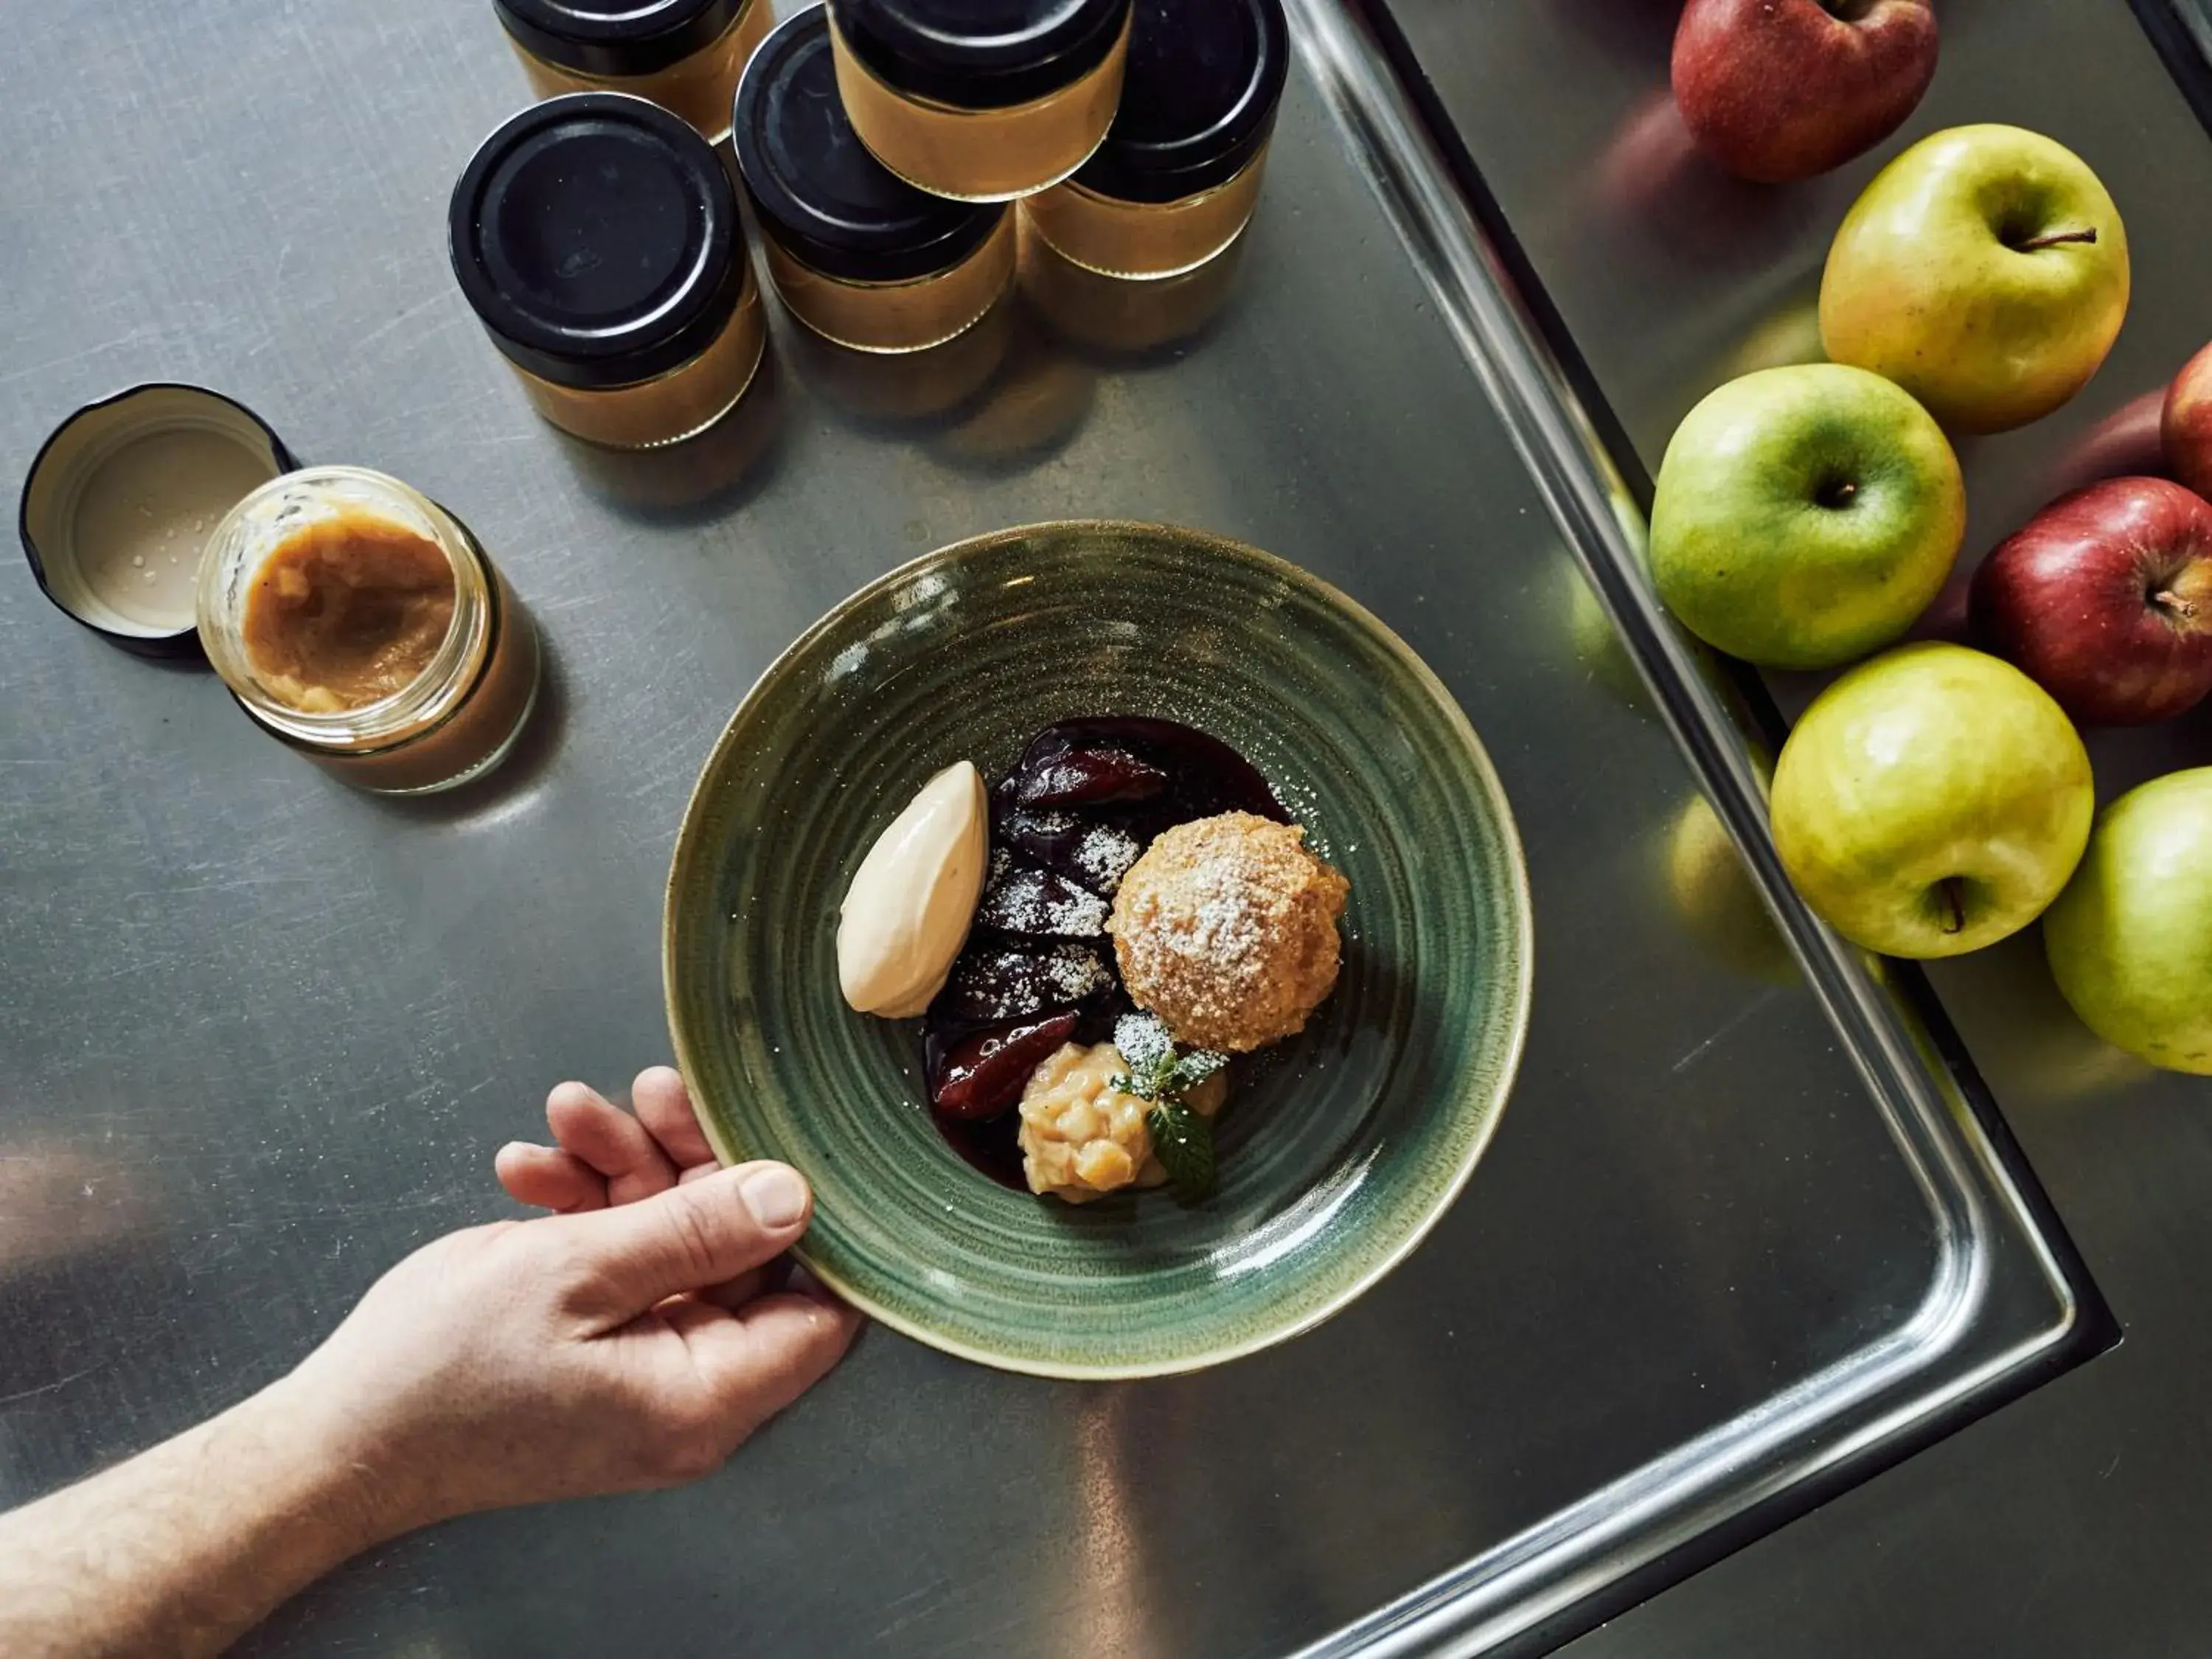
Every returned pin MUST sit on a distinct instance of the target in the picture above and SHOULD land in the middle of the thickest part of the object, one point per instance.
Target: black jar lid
(597, 237)
(1198, 98)
(980, 54)
(618, 36)
(122, 498)
(818, 190)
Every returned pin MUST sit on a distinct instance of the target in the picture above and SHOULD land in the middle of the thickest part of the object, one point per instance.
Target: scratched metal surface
(261, 1035)
(2074, 1522)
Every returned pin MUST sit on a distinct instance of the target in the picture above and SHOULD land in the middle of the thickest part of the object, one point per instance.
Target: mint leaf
(1149, 1081)
(1183, 1143)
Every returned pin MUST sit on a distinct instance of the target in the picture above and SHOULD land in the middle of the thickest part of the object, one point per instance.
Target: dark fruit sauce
(1085, 799)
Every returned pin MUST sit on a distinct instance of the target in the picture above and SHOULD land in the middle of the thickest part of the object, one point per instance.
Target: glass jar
(980, 103)
(684, 55)
(597, 237)
(461, 710)
(1178, 175)
(860, 256)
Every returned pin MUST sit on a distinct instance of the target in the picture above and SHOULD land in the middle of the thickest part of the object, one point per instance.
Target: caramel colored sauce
(345, 612)
(1146, 238)
(669, 407)
(700, 88)
(893, 317)
(982, 155)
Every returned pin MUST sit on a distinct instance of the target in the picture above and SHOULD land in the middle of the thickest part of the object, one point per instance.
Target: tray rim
(1570, 1569)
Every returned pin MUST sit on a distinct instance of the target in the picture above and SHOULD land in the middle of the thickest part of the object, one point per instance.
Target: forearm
(183, 1549)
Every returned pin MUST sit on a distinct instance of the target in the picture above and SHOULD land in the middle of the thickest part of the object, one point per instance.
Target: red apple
(1778, 90)
(2105, 599)
(2186, 424)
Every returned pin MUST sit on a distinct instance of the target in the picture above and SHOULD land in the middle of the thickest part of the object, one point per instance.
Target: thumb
(686, 1238)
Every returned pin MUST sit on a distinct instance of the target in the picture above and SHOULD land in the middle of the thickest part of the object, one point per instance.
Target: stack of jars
(892, 147)
(897, 152)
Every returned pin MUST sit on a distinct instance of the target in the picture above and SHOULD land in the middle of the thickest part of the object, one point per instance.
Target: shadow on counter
(534, 747)
(1019, 386)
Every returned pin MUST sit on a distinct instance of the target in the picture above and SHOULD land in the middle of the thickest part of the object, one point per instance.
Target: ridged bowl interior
(1339, 1149)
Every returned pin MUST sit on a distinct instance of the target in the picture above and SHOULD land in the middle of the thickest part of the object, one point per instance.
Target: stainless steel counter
(261, 1034)
(2075, 1520)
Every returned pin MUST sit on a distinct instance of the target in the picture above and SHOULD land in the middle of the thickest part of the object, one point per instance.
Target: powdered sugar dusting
(989, 985)
(1142, 1041)
(1104, 855)
(1023, 900)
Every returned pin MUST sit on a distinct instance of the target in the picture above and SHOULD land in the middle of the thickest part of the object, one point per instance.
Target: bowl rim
(688, 851)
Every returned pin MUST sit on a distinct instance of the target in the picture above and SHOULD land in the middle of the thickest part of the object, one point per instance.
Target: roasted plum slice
(1089, 777)
(1039, 904)
(995, 983)
(981, 1075)
(1094, 853)
(1205, 775)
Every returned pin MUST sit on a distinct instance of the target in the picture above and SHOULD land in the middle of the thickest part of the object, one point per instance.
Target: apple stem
(1954, 904)
(2055, 238)
(2183, 609)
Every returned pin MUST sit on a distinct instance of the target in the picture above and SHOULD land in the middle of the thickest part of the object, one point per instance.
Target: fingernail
(776, 1196)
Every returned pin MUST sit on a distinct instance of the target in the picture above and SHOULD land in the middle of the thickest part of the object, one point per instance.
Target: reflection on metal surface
(1118, 315)
(2124, 444)
(1033, 407)
(1720, 903)
(60, 1203)
(1895, 1378)
(703, 476)
(1112, 1466)
(900, 388)
(1791, 335)
(1596, 642)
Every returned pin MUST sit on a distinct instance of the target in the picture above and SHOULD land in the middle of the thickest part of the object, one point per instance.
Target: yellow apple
(1985, 271)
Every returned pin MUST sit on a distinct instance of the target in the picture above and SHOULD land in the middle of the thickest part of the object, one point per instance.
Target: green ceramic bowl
(1339, 1149)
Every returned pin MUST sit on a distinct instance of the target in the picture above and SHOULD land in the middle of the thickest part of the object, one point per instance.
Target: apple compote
(347, 611)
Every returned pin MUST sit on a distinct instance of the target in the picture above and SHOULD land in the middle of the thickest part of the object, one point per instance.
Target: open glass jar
(361, 624)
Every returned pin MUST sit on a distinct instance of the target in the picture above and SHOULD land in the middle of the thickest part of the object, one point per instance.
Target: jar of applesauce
(361, 623)
(684, 55)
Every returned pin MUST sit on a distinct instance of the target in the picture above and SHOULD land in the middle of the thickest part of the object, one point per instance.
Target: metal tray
(1739, 1236)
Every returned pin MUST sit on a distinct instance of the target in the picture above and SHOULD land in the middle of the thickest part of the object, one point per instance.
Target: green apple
(2130, 938)
(1804, 516)
(1931, 801)
(1985, 271)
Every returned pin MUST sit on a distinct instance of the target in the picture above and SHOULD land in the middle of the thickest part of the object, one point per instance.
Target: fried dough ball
(1226, 930)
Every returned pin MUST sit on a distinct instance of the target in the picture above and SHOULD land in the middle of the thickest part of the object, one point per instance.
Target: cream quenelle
(906, 914)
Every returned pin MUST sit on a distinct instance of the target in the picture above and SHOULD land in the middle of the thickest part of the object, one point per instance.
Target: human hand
(601, 1155)
(633, 1340)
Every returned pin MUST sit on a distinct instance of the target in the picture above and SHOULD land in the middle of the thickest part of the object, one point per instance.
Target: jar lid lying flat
(1198, 97)
(980, 54)
(815, 186)
(618, 36)
(597, 237)
(119, 504)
